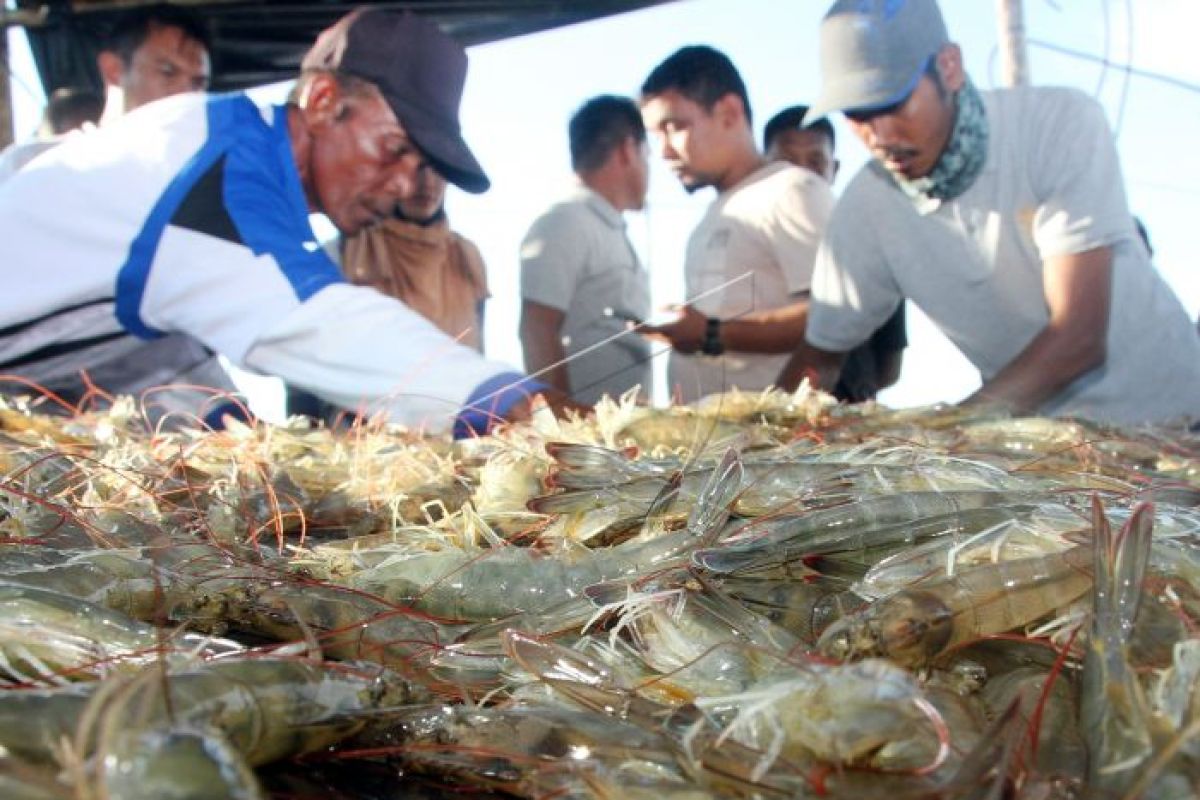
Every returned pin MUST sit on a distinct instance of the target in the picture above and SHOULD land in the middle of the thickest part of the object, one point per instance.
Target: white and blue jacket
(187, 216)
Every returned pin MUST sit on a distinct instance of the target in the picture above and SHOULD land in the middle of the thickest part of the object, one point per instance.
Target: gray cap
(873, 52)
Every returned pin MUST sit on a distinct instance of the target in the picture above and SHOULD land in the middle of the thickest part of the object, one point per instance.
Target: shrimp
(719, 765)
(802, 607)
(698, 640)
(870, 712)
(1114, 710)
(874, 522)
(915, 625)
(51, 638)
(528, 749)
(175, 762)
(268, 708)
(462, 585)
(1024, 535)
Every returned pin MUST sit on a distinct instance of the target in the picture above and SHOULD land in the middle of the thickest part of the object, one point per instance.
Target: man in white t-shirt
(581, 279)
(749, 261)
(1003, 216)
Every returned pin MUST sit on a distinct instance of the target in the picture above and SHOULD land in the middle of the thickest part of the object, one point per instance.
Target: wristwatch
(712, 338)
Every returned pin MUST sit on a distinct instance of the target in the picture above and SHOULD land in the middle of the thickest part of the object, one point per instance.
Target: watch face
(712, 338)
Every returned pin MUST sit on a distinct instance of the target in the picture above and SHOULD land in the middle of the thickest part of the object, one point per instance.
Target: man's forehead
(803, 138)
(669, 104)
(164, 39)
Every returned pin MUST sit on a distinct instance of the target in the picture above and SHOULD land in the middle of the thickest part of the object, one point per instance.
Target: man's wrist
(712, 344)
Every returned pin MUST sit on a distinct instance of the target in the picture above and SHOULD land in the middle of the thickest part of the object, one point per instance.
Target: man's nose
(882, 130)
(402, 182)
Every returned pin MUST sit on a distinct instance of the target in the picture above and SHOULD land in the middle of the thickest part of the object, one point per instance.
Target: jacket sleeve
(362, 350)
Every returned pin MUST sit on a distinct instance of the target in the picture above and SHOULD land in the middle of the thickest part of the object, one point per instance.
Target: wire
(1128, 77)
(1107, 48)
(1132, 70)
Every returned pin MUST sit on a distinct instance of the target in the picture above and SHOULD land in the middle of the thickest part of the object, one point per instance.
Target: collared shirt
(577, 258)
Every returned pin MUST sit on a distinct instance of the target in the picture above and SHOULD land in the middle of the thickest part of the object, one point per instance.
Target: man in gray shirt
(1003, 216)
(581, 281)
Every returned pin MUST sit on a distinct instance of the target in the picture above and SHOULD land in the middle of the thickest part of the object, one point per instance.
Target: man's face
(808, 149)
(428, 194)
(688, 137)
(639, 172)
(361, 163)
(167, 63)
(908, 138)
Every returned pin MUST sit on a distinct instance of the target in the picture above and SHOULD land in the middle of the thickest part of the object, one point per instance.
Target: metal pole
(1014, 64)
(6, 115)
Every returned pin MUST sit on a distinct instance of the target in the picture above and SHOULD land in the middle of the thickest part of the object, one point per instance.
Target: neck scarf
(961, 161)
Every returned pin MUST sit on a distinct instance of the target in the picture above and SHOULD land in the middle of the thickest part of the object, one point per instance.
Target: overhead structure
(262, 42)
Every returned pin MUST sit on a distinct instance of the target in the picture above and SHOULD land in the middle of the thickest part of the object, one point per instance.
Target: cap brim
(862, 92)
(445, 149)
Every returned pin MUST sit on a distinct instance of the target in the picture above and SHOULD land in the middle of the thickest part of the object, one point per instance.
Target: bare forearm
(541, 341)
(777, 330)
(1044, 368)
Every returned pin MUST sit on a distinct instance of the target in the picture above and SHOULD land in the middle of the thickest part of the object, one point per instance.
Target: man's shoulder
(572, 214)
(774, 186)
(1032, 103)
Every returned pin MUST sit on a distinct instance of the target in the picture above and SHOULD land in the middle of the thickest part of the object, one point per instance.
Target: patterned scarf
(961, 161)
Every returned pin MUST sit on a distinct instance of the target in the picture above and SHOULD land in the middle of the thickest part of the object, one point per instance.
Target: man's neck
(608, 186)
(746, 162)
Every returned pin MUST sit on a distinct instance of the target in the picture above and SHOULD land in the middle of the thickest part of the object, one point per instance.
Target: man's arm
(821, 367)
(1078, 291)
(541, 342)
(775, 330)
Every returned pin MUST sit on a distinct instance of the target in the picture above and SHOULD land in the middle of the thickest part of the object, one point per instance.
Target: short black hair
(68, 107)
(599, 127)
(130, 30)
(700, 73)
(792, 119)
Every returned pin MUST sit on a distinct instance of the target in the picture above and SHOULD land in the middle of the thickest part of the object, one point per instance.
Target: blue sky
(521, 92)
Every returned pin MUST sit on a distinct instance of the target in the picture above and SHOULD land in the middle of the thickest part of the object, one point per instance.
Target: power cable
(1132, 70)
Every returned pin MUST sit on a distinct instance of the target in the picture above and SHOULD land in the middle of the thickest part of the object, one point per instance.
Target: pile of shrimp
(762, 595)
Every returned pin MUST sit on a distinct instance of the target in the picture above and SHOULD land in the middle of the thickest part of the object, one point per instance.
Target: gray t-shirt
(1051, 186)
(578, 259)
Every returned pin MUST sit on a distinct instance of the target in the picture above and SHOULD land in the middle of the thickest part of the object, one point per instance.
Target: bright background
(521, 93)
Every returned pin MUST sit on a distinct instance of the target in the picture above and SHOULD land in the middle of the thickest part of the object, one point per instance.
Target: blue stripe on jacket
(262, 195)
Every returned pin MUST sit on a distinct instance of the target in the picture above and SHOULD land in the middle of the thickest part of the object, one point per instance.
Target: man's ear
(322, 101)
(112, 68)
(627, 153)
(730, 111)
(950, 67)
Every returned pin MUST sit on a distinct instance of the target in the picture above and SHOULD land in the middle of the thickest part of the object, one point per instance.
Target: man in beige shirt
(416, 258)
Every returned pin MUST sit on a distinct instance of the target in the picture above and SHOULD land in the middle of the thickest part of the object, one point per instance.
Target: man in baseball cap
(192, 217)
(1002, 215)
(873, 52)
(420, 72)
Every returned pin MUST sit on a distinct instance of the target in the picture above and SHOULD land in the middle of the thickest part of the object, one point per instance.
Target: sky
(521, 93)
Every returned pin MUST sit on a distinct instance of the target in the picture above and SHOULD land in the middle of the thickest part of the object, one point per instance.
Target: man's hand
(558, 402)
(685, 334)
